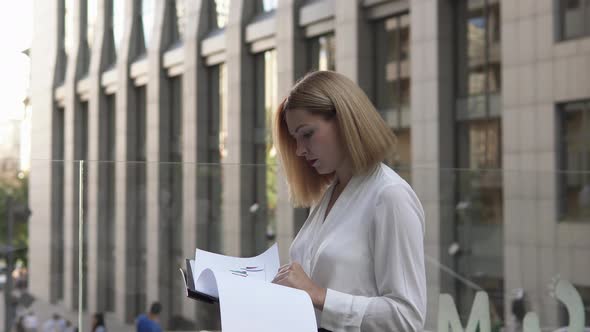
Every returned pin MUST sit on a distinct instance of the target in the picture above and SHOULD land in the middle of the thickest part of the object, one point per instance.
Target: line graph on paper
(249, 271)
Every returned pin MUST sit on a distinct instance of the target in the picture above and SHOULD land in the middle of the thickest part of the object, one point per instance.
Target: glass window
(57, 203)
(264, 196)
(392, 84)
(214, 153)
(479, 59)
(106, 211)
(137, 205)
(171, 201)
(478, 200)
(575, 161)
(263, 6)
(223, 116)
(269, 5)
(180, 18)
(392, 48)
(118, 22)
(80, 154)
(480, 192)
(321, 53)
(91, 9)
(147, 20)
(69, 27)
(573, 18)
(221, 13)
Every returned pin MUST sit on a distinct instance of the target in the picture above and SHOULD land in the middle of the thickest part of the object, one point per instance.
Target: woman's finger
(281, 275)
(280, 279)
(284, 267)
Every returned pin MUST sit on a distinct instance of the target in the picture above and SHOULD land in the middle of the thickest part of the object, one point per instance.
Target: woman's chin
(322, 171)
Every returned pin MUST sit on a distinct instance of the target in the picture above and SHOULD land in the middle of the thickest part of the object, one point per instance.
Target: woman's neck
(343, 174)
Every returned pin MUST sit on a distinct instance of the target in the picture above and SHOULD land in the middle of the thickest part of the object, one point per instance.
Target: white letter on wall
(449, 318)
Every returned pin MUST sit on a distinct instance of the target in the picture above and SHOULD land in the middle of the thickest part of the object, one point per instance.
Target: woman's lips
(312, 162)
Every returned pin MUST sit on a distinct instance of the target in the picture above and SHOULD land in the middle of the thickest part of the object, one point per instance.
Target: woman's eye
(308, 134)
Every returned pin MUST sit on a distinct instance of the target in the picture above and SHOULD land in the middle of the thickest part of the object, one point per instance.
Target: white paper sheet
(254, 305)
(247, 298)
(262, 267)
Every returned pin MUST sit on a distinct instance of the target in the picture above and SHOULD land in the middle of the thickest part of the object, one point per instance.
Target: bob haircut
(365, 136)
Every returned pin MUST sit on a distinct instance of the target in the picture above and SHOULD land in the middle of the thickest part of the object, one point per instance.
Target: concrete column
(194, 97)
(195, 129)
(125, 245)
(72, 154)
(162, 264)
(97, 268)
(240, 106)
(432, 135)
(43, 70)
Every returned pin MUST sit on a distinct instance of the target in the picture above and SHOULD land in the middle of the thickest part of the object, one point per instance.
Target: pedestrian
(98, 323)
(30, 322)
(69, 327)
(360, 254)
(150, 322)
(54, 324)
(19, 325)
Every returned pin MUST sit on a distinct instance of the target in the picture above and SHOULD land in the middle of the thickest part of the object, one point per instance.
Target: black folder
(189, 283)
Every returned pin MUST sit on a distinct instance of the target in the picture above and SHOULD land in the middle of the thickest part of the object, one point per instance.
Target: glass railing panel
(109, 237)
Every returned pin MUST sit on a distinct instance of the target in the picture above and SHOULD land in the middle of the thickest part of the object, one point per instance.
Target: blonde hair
(365, 136)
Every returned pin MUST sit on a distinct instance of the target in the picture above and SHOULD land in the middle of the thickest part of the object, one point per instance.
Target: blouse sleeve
(397, 243)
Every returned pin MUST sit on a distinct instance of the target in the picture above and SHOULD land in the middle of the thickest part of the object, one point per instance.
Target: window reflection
(180, 18)
(223, 111)
(321, 53)
(117, 21)
(269, 5)
(221, 13)
(263, 6)
(91, 9)
(147, 20)
(573, 18)
(478, 203)
(392, 84)
(264, 198)
(482, 37)
(69, 27)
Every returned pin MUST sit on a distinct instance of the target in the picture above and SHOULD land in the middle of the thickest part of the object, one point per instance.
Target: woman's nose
(300, 151)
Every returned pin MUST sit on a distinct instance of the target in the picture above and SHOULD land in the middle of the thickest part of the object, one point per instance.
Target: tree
(17, 188)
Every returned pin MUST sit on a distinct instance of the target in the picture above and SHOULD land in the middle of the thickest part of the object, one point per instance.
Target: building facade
(152, 132)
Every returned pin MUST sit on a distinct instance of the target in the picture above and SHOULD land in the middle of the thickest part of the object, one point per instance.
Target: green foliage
(15, 187)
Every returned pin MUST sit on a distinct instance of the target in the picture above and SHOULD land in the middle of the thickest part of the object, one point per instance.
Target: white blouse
(369, 254)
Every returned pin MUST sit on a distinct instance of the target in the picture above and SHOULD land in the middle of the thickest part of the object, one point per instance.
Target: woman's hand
(292, 275)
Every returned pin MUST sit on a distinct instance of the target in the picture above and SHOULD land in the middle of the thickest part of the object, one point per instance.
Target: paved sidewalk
(44, 310)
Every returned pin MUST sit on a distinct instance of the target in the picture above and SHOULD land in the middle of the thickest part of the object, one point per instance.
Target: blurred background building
(165, 105)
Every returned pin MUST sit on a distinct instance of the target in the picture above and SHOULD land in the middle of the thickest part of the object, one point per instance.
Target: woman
(98, 323)
(360, 254)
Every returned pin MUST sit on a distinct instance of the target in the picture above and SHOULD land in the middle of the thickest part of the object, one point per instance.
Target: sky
(16, 27)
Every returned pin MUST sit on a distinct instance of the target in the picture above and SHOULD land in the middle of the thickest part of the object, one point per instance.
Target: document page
(263, 267)
(255, 305)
